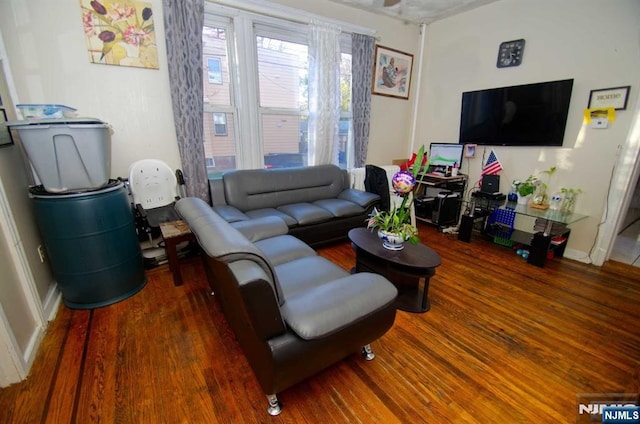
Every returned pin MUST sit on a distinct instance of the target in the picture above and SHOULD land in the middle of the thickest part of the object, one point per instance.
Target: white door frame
(620, 192)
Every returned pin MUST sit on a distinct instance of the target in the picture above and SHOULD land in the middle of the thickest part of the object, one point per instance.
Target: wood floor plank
(503, 342)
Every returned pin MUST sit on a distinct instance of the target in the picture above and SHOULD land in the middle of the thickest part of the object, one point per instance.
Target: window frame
(246, 26)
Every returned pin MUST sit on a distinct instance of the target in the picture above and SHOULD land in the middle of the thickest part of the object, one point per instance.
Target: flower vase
(523, 200)
(540, 199)
(391, 241)
(568, 203)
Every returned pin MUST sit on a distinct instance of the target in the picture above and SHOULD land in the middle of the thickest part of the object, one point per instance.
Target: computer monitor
(445, 154)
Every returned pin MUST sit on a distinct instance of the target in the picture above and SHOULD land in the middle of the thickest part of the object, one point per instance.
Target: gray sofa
(316, 202)
(293, 312)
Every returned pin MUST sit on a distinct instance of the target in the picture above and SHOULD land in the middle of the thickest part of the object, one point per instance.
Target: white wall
(50, 64)
(595, 44)
(48, 57)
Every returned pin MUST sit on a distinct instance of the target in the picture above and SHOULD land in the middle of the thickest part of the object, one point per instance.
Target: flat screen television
(522, 115)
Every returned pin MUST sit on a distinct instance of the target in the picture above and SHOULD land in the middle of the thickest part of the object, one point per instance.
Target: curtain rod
(275, 10)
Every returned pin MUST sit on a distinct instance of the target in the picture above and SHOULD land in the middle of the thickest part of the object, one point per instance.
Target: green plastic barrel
(92, 245)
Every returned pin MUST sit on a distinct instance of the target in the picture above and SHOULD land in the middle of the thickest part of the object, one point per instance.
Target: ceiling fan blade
(389, 3)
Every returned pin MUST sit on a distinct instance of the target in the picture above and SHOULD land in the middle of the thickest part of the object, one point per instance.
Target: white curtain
(324, 93)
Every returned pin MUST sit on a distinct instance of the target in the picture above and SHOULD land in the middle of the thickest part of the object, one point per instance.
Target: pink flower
(121, 13)
(87, 23)
(134, 35)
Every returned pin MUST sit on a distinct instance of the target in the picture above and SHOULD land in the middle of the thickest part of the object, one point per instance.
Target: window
(215, 70)
(270, 58)
(219, 124)
(283, 69)
(219, 108)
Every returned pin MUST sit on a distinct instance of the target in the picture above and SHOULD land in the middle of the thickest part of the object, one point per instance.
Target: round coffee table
(404, 268)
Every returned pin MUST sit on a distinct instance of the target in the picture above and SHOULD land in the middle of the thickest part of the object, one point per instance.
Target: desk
(173, 233)
(437, 198)
(404, 268)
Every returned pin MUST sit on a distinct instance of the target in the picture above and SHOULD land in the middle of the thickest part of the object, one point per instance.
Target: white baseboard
(577, 255)
(51, 303)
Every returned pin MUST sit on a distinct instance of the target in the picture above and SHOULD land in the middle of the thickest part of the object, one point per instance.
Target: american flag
(492, 166)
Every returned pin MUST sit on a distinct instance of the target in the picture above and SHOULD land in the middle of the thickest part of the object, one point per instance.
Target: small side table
(173, 233)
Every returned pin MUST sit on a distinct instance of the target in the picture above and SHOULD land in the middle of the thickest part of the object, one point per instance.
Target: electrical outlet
(41, 253)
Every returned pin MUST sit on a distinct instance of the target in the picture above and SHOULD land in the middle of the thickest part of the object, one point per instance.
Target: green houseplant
(569, 199)
(541, 199)
(394, 226)
(528, 186)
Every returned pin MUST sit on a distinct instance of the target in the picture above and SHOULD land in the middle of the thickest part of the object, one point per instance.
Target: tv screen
(522, 115)
(445, 154)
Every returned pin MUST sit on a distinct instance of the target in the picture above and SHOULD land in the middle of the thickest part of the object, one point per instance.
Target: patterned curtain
(183, 21)
(324, 93)
(362, 52)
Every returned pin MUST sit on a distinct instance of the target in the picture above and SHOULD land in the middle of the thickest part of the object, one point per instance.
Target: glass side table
(550, 231)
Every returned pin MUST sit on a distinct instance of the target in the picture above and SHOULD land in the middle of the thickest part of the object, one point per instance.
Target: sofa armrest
(329, 307)
(261, 228)
(230, 213)
(365, 199)
(259, 300)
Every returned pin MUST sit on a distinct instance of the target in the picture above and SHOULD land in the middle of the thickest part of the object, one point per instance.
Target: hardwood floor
(503, 342)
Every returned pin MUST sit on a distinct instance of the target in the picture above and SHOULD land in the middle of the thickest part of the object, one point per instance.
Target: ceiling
(416, 11)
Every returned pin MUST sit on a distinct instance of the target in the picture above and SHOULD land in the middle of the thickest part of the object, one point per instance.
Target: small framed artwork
(470, 150)
(609, 97)
(392, 73)
(5, 133)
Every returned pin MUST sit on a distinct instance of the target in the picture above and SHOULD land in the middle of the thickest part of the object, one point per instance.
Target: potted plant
(394, 226)
(526, 189)
(569, 199)
(541, 199)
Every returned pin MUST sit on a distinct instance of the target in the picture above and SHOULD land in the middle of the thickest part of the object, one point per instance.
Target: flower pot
(391, 241)
(523, 200)
(568, 203)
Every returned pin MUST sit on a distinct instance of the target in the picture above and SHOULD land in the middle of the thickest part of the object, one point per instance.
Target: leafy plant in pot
(526, 188)
(394, 226)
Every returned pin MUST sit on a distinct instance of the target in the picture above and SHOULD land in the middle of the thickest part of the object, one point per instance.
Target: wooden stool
(173, 233)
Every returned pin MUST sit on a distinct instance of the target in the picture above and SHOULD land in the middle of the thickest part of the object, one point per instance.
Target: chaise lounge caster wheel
(275, 407)
(367, 353)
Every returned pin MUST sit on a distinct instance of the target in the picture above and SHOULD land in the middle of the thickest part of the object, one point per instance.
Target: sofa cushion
(301, 274)
(230, 214)
(306, 213)
(327, 308)
(283, 249)
(339, 208)
(262, 213)
(261, 228)
(360, 198)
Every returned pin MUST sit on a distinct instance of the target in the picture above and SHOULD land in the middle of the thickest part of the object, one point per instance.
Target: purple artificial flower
(98, 7)
(107, 36)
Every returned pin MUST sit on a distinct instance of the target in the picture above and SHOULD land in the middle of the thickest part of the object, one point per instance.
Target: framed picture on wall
(470, 150)
(392, 73)
(609, 97)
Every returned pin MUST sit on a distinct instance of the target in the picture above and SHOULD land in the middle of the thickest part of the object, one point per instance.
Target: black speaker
(490, 184)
